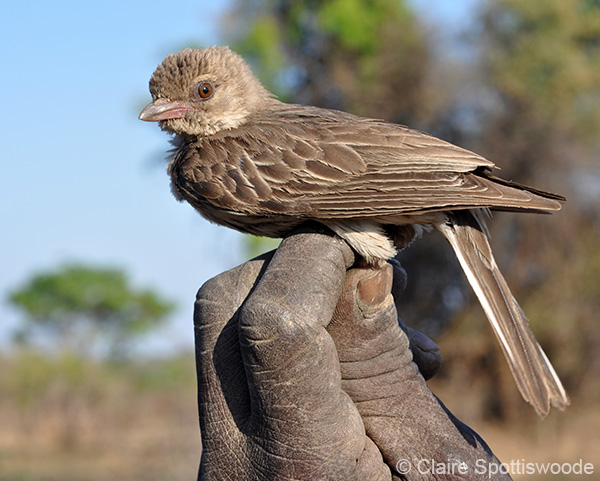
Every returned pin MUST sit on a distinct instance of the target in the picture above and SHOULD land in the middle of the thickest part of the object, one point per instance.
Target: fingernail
(376, 287)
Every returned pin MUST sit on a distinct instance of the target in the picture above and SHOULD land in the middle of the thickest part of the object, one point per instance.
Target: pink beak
(163, 109)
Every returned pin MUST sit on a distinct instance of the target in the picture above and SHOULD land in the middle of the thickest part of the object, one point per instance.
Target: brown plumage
(247, 161)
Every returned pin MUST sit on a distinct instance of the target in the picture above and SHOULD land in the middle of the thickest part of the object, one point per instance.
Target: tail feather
(534, 375)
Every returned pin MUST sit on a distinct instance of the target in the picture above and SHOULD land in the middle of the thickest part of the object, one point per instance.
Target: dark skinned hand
(304, 373)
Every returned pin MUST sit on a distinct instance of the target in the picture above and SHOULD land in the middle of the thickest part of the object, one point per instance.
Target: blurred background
(99, 265)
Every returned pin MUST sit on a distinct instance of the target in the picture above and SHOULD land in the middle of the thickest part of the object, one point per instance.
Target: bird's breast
(228, 194)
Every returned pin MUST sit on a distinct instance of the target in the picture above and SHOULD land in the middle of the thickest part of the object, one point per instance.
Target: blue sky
(80, 179)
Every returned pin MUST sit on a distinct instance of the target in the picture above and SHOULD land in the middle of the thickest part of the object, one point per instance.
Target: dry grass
(94, 422)
(113, 422)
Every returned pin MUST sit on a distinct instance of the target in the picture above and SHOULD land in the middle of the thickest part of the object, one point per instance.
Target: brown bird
(250, 162)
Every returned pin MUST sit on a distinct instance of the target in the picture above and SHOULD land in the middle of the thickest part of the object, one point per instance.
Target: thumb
(364, 325)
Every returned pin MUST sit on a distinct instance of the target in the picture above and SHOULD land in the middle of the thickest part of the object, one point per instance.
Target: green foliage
(353, 22)
(545, 54)
(339, 54)
(262, 43)
(78, 306)
(356, 24)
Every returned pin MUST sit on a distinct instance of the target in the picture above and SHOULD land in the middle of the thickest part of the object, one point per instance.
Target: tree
(540, 61)
(544, 58)
(87, 310)
(368, 57)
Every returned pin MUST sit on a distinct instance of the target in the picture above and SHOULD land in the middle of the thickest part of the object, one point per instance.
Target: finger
(425, 352)
(223, 400)
(291, 362)
(400, 414)
(370, 465)
(371, 346)
(400, 279)
(281, 324)
(296, 295)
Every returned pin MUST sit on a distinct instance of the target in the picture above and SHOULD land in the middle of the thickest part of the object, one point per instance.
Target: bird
(245, 160)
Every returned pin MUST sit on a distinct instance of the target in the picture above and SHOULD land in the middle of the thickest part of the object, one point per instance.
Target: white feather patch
(366, 238)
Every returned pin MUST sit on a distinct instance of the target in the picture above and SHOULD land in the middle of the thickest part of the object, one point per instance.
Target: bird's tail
(534, 375)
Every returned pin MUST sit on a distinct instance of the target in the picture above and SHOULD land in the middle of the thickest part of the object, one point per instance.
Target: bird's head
(199, 92)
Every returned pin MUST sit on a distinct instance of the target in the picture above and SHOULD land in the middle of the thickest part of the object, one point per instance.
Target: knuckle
(265, 319)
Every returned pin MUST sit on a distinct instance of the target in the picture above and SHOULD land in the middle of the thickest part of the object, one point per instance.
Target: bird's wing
(326, 164)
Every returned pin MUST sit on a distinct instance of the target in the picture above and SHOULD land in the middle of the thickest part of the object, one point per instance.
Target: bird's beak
(163, 109)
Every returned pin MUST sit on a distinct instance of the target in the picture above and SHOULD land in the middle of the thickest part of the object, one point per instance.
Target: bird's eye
(204, 90)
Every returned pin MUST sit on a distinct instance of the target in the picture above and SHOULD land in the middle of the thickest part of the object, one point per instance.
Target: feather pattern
(252, 163)
(357, 175)
(309, 165)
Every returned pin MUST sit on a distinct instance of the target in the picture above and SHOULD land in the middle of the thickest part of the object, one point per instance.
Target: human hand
(282, 397)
